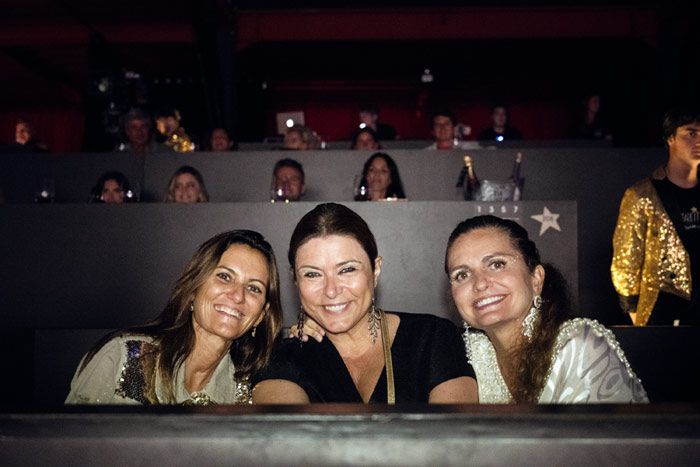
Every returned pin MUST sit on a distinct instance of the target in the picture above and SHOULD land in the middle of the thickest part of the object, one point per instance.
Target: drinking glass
(45, 192)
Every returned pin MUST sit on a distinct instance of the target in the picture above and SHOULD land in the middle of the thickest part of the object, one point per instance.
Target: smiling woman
(368, 355)
(215, 332)
(518, 336)
(186, 186)
(380, 179)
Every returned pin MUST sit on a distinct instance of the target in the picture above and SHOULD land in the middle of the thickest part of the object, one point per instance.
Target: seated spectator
(186, 186)
(215, 332)
(220, 141)
(288, 181)
(300, 137)
(590, 123)
(25, 138)
(519, 334)
(365, 139)
(137, 126)
(369, 118)
(112, 188)
(380, 180)
(499, 129)
(168, 125)
(444, 132)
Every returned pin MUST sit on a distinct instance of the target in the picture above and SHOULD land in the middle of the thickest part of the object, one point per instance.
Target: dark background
(236, 64)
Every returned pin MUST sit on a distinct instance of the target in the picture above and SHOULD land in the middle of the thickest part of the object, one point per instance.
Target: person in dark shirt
(591, 123)
(656, 245)
(367, 355)
(369, 118)
(499, 129)
(25, 138)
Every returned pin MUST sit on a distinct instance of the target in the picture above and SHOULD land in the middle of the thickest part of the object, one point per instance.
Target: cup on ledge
(279, 193)
(133, 194)
(45, 192)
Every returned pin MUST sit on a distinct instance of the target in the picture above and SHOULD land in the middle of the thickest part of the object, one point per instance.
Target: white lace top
(588, 366)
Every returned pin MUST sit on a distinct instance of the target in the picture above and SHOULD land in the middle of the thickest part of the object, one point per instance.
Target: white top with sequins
(588, 366)
(118, 374)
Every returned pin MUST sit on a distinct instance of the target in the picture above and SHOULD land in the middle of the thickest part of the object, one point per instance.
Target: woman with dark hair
(380, 179)
(186, 186)
(590, 123)
(215, 332)
(368, 355)
(365, 139)
(112, 188)
(519, 335)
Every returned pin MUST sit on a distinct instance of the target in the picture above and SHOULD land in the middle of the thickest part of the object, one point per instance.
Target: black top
(683, 207)
(426, 351)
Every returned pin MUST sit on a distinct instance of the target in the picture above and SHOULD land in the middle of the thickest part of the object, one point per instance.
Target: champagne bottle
(515, 177)
(471, 187)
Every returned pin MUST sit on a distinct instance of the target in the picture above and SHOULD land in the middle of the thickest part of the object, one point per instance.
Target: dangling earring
(373, 322)
(467, 342)
(300, 323)
(255, 328)
(191, 306)
(531, 317)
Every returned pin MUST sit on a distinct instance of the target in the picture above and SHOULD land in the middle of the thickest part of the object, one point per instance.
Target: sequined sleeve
(628, 249)
(589, 366)
(97, 383)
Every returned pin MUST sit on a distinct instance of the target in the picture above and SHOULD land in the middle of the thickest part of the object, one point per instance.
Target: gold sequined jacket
(124, 371)
(180, 141)
(648, 254)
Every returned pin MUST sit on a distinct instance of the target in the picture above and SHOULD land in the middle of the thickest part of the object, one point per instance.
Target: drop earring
(373, 322)
(467, 342)
(531, 317)
(300, 323)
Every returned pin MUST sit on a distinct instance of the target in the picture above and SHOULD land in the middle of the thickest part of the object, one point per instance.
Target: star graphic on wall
(548, 221)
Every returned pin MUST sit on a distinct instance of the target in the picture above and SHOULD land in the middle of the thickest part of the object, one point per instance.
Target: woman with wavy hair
(380, 179)
(519, 334)
(186, 186)
(215, 332)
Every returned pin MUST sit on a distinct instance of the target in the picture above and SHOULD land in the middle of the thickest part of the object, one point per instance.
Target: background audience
(300, 137)
(590, 123)
(380, 180)
(112, 188)
(656, 244)
(365, 139)
(25, 138)
(444, 125)
(220, 141)
(186, 186)
(138, 130)
(369, 118)
(288, 181)
(173, 135)
(499, 130)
